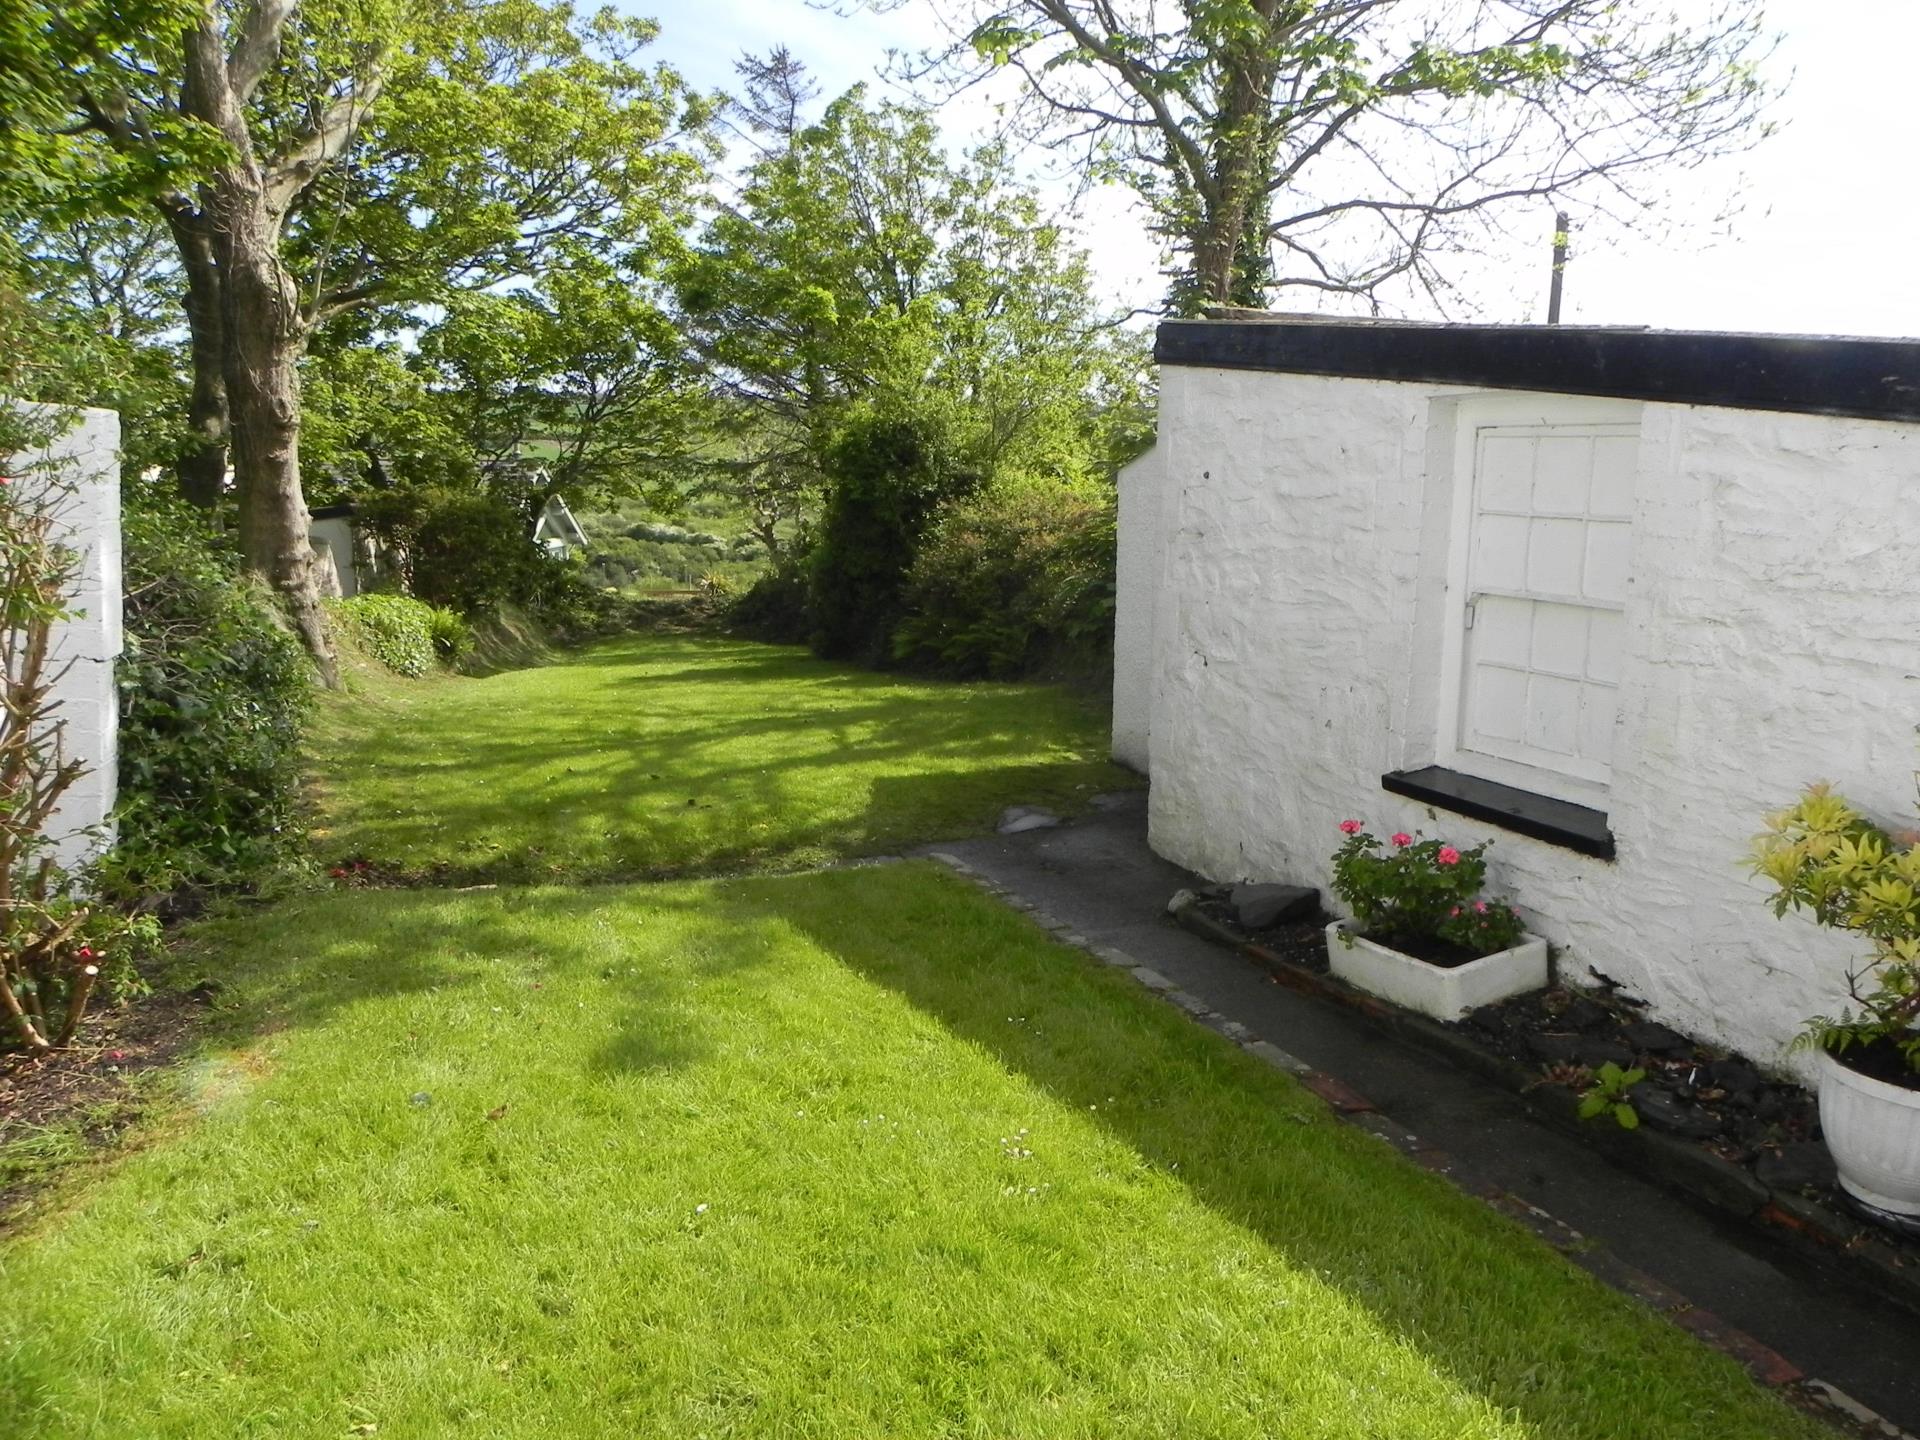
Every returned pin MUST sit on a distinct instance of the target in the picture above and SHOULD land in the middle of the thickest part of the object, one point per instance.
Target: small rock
(1258, 906)
(1583, 1014)
(1676, 1117)
(1795, 1166)
(1555, 1049)
(1180, 901)
(1018, 819)
(1651, 1037)
(1595, 1053)
(1736, 1077)
(420, 1097)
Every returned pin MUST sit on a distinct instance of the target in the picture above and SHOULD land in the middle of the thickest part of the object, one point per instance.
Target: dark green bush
(887, 475)
(1011, 582)
(469, 550)
(775, 608)
(213, 691)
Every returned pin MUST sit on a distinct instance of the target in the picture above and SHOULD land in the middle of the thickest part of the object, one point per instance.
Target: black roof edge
(1802, 374)
(340, 509)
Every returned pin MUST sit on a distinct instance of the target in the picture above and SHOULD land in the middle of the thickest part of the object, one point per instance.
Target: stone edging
(1819, 1232)
(1765, 1365)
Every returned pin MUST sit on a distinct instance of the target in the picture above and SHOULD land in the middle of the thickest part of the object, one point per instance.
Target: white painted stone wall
(1136, 589)
(1295, 571)
(86, 458)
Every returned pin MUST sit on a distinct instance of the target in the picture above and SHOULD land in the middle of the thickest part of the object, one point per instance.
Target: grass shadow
(1255, 1148)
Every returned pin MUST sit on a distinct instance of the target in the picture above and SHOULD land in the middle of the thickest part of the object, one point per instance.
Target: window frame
(1473, 414)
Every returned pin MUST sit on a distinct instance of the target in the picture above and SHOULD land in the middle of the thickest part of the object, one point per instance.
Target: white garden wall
(85, 460)
(1136, 590)
(1284, 598)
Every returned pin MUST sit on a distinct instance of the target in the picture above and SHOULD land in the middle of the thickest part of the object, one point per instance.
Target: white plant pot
(1873, 1130)
(1436, 990)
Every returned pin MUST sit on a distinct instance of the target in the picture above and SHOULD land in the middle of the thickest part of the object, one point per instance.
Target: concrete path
(1098, 876)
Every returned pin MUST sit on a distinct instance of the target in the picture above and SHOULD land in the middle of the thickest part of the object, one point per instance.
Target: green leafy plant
(1012, 580)
(214, 693)
(1607, 1095)
(452, 637)
(396, 630)
(1420, 889)
(1825, 858)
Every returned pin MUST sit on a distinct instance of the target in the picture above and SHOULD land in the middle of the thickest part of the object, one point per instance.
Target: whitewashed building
(1604, 597)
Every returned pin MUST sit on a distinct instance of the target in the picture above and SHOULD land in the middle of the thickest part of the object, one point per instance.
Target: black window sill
(1556, 822)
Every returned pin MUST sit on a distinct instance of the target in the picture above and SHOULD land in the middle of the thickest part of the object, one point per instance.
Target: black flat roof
(1806, 374)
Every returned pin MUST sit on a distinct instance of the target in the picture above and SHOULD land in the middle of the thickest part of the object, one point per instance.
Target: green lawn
(655, 755)
(849, 1154)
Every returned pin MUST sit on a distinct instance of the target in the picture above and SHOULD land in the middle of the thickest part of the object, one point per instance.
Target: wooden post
(1561, 228)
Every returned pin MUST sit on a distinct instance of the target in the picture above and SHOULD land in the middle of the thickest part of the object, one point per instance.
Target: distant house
(349, 559)
(556, 531)
(554, 528)
(1604, 596)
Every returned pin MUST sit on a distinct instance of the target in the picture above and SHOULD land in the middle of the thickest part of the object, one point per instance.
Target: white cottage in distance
(1602, 596)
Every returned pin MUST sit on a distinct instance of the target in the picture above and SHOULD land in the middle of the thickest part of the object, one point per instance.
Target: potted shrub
(1826, 859)
(1422, 934)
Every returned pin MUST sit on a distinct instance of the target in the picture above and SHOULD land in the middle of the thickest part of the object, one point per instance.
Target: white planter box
(1873, 1130)
(1445, 994)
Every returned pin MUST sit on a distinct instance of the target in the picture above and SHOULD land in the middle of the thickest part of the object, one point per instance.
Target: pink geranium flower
(1479, 907)
(1448, 855)
(1350, 827)
(1402, 839)
(1454, 912)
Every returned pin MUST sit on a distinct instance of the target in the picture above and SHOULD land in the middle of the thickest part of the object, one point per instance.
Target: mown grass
(655, 755)
(850, 1154)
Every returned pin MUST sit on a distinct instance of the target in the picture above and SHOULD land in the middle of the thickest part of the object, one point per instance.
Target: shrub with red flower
(1420, 889)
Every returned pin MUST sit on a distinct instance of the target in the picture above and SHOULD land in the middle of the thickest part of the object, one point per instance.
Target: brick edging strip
(1767, 1366)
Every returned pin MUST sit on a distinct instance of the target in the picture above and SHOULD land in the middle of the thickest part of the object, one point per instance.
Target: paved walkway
(1098, 876)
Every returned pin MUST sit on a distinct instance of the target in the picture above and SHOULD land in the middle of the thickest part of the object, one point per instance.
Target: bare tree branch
(258, 45)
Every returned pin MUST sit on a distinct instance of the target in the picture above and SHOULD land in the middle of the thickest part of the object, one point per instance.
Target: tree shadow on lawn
(663, 801)
(304, 961)
(1433, 1265)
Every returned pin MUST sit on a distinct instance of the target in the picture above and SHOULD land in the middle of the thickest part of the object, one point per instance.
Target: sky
(1827, 208)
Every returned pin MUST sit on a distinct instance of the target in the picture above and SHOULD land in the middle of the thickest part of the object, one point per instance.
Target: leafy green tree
(1359, 142)
(582, 368)
(54, 179)
(375, 155)
(862, 272)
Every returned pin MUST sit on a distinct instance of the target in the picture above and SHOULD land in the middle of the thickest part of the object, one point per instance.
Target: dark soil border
(1812, 1226)
(99, 1085)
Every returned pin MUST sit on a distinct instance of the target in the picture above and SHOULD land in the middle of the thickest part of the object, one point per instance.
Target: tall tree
(892, 328)
(582, 366)
(376, 153)
(55, 182)
(1358, 142)
(858, 262)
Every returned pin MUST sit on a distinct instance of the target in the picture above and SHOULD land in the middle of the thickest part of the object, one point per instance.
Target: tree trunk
(264, 337)
(1224, 274)
(203, 470)
(262, 332)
